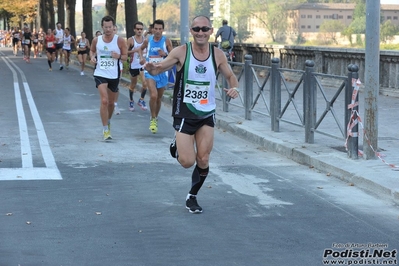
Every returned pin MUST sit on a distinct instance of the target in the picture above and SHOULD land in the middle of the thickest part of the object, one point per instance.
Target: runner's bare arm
(175, 57)
(93, 51)
(123, 47)
(225, 69)
(140, 51)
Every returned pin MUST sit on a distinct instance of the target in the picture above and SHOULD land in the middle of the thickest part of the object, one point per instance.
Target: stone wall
(332, 61)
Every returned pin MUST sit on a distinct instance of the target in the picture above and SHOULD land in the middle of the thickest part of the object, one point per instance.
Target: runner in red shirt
(50, 47)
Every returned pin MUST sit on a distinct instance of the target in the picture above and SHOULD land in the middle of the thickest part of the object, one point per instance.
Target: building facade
(302, 19)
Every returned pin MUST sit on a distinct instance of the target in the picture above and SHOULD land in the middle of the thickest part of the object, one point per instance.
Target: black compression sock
(197, 179)
(143, 92)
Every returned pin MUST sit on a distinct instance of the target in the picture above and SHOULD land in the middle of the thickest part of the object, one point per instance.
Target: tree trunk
(50, 10)
(43, 23)
(110, 8)
(70, 8)
(61, 12)
(87, 19)
(131, 16)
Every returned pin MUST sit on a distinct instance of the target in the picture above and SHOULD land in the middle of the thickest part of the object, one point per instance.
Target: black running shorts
(59, 46)
(135, 72)
(50, 50)
(191, 126)
(112, 83)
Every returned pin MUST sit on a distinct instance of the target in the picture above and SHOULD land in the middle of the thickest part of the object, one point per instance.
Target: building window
(340, 17)
(317, 27)
(389, 17)
(303, 16)
(325, 17)
(309, 16)
(303, 26)
(318, 16)
(349, 17)
(395, 18)
(309, 27)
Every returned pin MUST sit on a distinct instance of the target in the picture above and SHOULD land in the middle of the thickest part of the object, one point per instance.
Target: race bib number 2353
(106, 62)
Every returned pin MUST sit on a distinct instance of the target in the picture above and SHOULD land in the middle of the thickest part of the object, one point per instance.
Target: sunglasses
(204, 29)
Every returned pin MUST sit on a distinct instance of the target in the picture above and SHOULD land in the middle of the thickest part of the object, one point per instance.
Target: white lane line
(34, 173)
(43, 141)
(26, 153)
(28, 172)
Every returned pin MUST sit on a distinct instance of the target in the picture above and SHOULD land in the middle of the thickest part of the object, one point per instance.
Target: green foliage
(201, 7)
(330, 29)
(358, 25)
(389, 46)
(332, 26)
(360, 9)
(359, 40)
(348, 33)
(387, 31)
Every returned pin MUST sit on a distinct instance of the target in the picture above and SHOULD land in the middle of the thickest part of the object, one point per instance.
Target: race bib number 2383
(196, 92)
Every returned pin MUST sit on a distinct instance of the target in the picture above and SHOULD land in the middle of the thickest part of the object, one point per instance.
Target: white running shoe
(131, 106)
(116, 110)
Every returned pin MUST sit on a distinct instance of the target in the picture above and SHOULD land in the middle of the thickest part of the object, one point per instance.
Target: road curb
(323, 159)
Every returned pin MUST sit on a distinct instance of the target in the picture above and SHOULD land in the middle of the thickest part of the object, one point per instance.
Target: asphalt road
(68, 198)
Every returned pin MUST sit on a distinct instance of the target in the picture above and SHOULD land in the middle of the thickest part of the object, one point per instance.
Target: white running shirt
(107, 67)
(136, 57)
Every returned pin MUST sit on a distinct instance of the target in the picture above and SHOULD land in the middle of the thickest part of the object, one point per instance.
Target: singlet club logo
(200, 69)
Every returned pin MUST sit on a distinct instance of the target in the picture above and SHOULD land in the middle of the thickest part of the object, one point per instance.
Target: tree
(330, 28)
(170, 13)
(201, 7)
(388, 31)
(273, 15)
(22, 11)
(61, 12)
(6, 17)
(70, 8)
(358, 25)
(50, 10)
(43, 23)
(240, 12)
(110, 8)
(131, 16)
(145, 12)
(87, 18)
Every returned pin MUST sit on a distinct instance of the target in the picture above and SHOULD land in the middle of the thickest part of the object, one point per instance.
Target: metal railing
(271, 91)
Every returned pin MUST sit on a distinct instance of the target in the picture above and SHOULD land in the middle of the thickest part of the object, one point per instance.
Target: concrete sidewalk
(327, 154)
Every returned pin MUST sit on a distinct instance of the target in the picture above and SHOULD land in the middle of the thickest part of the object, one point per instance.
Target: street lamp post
(154, 10)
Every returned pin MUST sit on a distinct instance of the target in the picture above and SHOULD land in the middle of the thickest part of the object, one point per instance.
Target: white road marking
(28, 171)
(33, 173)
